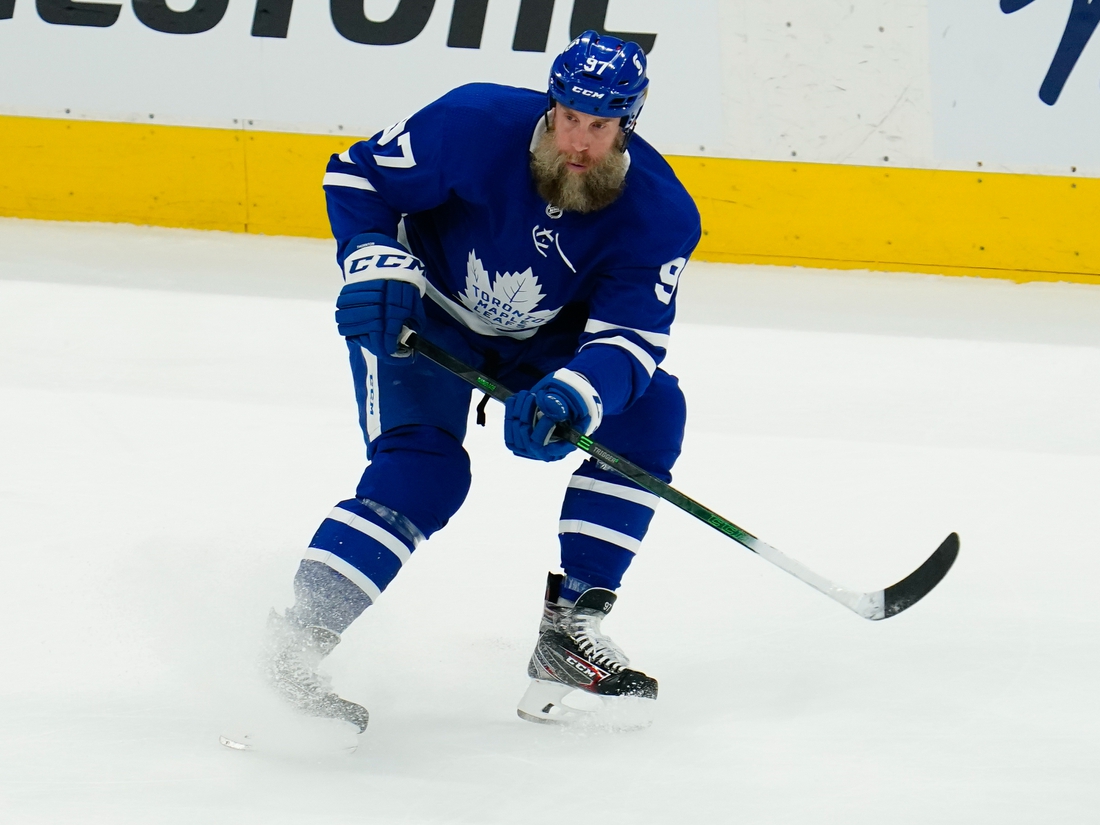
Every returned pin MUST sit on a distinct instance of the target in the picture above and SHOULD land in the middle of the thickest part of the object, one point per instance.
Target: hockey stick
(875, 605)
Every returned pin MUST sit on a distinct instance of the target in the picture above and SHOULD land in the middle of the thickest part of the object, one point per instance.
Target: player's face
(578, 163)
(584, 140)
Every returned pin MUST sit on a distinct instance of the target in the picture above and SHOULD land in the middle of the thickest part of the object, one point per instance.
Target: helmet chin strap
(627, 133)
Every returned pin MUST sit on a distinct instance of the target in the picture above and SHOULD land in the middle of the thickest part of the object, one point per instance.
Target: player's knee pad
(421, 472)
(417, 479)
(651, 431)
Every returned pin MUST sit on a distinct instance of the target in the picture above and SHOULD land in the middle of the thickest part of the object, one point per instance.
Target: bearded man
(534, 237)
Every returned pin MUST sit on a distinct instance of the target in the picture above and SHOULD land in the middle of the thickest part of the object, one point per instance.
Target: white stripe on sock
(598, 531)
(369, 528)
(352, 574)
(643, 497)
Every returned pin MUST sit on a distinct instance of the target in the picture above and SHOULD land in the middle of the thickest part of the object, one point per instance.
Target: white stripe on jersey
(352, 574)
(644, 358)
(643, 497)
(350, 181)
(372, 530)
(657, 339)
(598, 531)
(345, 157)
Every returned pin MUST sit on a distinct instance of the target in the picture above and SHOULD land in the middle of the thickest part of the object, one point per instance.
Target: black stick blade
(920, 582)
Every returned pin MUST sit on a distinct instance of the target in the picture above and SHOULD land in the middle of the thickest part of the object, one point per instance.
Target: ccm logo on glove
(384, 291)
(375, 261)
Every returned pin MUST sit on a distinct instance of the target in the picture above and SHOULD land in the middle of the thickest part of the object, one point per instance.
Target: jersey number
(670, 276)
(403, 161)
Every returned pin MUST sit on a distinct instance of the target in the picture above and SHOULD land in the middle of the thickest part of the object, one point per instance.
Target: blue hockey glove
(383, 293)
(373, 313)
(530, 416)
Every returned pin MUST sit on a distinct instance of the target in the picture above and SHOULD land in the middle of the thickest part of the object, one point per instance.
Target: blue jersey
(454, 181)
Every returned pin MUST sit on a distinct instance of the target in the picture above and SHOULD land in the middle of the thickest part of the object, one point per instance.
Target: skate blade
(552, 703)
(305, 737)
(239, 742)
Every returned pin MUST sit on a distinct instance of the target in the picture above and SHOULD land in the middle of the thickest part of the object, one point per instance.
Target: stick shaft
(873, 605)
(613, 460)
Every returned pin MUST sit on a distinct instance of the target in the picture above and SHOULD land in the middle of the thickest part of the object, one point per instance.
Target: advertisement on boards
(1004, 85)
(1016, 85)
(351, 66)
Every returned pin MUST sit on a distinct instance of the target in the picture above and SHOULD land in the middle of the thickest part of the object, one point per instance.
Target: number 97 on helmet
(602, 76)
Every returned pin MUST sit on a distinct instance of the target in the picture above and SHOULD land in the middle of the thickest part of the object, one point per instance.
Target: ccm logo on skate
(594, 674)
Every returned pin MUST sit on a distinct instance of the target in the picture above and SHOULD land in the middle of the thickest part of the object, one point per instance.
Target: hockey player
(535, 237)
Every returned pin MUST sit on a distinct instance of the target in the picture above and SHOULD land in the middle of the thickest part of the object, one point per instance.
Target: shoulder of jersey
(490, 110)
(656, 194)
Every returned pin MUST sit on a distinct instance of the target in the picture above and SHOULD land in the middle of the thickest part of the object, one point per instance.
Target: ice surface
(176, 418)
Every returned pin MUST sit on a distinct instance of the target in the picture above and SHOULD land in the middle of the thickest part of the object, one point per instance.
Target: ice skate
(292, 656)
(304, 716)
(578, 675)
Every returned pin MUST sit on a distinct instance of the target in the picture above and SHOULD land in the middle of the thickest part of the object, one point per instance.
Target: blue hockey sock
(417, 478)
(603, 521)
(366, 544)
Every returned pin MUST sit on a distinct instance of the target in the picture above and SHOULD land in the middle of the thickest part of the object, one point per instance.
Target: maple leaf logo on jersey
(506, 302)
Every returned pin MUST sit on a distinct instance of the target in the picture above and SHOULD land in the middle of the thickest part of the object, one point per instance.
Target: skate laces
(583, 626)
(294, 656)
(294, 670)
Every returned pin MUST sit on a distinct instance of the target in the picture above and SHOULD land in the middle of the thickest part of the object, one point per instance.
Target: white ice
(176, 418)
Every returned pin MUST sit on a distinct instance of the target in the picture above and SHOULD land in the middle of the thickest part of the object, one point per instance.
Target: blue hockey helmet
(601, 76)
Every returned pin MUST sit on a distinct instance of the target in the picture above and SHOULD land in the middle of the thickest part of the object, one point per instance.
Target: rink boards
(1021, 227)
